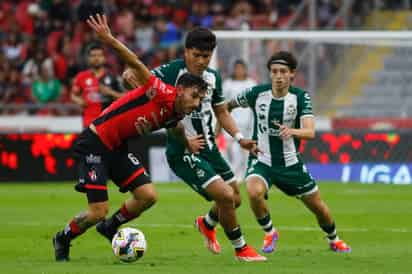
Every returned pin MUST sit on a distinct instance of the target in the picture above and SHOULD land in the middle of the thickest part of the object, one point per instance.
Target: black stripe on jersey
(123, 108)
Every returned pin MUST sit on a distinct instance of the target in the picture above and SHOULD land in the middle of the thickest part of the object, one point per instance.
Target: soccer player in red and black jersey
(102, 148)
(94, 89)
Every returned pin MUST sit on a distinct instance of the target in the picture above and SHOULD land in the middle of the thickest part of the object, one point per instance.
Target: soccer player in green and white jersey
(283, 116)
(206, 172)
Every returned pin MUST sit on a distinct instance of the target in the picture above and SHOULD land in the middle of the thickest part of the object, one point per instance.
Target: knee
(256, 193)
(149, 199)
(226, 197)
(237, 200)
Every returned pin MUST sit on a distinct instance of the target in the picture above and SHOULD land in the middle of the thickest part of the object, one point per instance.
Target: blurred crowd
(43, 42)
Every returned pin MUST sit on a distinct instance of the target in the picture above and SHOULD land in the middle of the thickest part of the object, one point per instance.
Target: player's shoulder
(176, 64)
(297, 91)
(262, 88)
(214, 72)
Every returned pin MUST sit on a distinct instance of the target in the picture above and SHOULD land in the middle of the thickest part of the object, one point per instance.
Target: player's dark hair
(188, 80)
(283, 58)
(93, 46)
(201, 39)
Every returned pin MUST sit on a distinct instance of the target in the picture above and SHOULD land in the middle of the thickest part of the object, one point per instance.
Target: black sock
(211, 220)
(330, 230)
(236, 237)
(266, 223)
(120, 217)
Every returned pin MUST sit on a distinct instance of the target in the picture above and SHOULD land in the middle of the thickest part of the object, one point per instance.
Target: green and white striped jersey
(199, 121)
(268, 111)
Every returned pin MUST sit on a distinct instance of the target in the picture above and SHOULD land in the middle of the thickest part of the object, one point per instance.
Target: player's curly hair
(284, 58)
(189, 80)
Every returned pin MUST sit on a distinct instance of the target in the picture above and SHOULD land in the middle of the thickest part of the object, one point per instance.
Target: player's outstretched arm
(99, 24)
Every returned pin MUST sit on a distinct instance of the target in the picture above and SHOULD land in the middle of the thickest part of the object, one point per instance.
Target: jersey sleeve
(217, 97)
(247, 98)
(158, 90)
(305, 105)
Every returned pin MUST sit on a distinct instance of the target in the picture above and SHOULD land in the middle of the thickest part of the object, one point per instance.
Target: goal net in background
(360, 83)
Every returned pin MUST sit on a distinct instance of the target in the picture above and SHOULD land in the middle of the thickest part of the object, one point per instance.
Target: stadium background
(362, 101)
(361, 94)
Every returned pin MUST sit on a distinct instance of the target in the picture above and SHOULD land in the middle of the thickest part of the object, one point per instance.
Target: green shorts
(199, 170)
(294, 180)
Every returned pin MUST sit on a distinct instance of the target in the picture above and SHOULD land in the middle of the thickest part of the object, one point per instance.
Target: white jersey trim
(260, 177)
(211, 180)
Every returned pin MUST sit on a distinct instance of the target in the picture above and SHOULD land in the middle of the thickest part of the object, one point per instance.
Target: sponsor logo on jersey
(93, 159)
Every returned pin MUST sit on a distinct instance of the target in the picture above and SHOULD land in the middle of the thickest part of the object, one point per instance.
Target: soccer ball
(129, 244)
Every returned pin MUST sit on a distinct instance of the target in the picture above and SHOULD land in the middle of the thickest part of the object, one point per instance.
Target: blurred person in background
(233, 86)
(32, 67)
(46, 89)
(95, 88)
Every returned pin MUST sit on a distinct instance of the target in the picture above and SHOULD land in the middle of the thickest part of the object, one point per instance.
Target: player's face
(281, 76)
(96, 58)
(239, 71)
(197, 61)
(188, 99)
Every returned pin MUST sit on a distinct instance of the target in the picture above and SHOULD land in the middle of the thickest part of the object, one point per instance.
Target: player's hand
(196, 143)
(129, 75)
(285, 131)
(99, 24)
(249, 145)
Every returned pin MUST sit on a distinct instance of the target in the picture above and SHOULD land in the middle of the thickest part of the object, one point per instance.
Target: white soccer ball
(129, 244)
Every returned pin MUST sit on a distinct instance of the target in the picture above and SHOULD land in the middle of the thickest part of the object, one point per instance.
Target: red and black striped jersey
(138, 112)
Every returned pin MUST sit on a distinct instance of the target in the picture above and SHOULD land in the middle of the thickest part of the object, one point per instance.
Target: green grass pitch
(376, 220)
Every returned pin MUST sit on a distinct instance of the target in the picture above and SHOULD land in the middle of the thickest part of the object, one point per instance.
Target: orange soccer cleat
(209, 234)
(340, 246)
(249, 254)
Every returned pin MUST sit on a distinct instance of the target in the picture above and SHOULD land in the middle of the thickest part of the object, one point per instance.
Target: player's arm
(193, 144)
(233, 103)
(228, 123)
(110, 92)
(306, 131)
(99, 24)
(129, 77)
(75, 94)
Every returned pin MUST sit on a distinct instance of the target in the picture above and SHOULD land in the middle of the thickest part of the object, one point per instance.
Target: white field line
(188, 226)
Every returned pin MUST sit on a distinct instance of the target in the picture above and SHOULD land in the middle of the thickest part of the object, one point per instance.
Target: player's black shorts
(97, 164)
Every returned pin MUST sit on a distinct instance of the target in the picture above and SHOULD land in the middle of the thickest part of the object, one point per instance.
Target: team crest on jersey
(89, 81)
(291, 110)
(93, 175)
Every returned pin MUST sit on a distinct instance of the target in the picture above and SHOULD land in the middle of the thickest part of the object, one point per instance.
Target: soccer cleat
(249, 254)
(269, 242)
(61, 247)
(209, 234)
(105, 231)
(340, 246)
